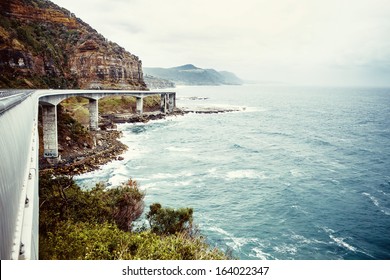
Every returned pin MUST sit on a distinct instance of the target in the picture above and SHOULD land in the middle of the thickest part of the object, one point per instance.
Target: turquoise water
(296, 173)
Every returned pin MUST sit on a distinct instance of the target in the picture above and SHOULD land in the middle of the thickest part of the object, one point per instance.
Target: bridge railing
(9, 99)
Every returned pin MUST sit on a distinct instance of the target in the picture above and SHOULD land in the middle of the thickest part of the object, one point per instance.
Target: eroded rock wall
(45, 46)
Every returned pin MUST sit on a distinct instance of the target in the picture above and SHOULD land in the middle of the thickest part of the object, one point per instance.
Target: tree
(126, 203)
(166, 221)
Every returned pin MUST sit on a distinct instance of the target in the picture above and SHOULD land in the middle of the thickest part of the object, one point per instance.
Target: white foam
(149, 186)
(245, 173)
(261, 255)
(340, 241)
(373, 199)
(286, 249)
(171, 175)
(296, 173)
(301, 239)
(386, 211)
(117, 180)
(178, 149)
(219, 230)
(183, 183)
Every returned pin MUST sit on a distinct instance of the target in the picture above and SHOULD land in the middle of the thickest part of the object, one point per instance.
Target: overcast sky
(312, 42)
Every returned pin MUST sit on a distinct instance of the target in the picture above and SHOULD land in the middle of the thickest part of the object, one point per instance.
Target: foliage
(165, 221)
(152, 103)
(117, 104)
(92, 241)
(126, 202)
(96, 225)
(61, 199)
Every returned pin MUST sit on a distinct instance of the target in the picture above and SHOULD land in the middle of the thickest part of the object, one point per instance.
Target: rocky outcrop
(45, 46)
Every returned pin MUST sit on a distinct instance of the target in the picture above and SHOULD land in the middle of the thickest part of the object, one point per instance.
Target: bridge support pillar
(93, 115)
(49, 122)
(140, 105)
(164, 103)
(172, 102)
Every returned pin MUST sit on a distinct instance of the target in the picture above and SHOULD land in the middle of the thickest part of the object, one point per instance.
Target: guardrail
(9, 99)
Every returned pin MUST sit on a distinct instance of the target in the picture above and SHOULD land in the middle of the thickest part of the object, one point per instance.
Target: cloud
(257, 39)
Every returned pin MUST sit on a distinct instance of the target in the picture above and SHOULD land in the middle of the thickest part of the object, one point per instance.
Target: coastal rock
(46, 46)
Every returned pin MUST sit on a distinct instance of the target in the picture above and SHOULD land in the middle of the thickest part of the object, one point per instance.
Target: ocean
(294, 173)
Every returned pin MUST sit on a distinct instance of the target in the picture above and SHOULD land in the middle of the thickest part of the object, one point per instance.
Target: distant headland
(192, 75)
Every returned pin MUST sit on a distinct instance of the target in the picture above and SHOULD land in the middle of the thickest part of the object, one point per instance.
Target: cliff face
(45, 46)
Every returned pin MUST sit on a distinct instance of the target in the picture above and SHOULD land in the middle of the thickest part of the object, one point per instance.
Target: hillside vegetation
(97, 224)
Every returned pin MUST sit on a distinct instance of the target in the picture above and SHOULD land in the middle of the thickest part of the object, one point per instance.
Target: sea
(293, 173)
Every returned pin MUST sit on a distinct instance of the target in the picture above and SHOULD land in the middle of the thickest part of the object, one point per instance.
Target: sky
(299, 42)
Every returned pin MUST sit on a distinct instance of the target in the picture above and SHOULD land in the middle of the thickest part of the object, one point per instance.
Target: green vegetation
(126, 104)
(169, 221)
(98, 224)
(117, 104)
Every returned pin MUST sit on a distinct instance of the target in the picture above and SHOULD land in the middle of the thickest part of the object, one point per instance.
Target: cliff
(45, 46)
(191, 75)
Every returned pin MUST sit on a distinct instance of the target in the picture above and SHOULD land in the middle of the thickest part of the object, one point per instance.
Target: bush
(91, 241)
(96, 225)
(169, 221)
(61, 200)
(126, 202)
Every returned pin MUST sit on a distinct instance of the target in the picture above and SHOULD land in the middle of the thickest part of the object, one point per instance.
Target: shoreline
(108, 146)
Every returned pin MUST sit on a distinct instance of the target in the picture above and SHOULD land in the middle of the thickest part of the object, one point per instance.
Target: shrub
(61, 200)
(92, 241)
(169, 221)
(95, 225)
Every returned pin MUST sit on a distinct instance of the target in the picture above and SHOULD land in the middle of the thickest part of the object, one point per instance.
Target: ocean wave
(299, 208)
(286, 249)
(178, 149)
(340, 241)
(183, 183)
(245, 173)
(375, 201)
(303, 240)
(260, 254)
(296, 173)
(171, 175)
(234, 242)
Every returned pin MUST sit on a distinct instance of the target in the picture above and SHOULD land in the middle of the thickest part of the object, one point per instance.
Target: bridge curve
(19, 145)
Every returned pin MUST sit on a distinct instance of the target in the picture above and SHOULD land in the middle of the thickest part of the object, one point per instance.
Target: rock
(120, 158)
(92, 61)
(67, 138)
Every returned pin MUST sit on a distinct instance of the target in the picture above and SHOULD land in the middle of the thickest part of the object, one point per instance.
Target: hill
(191, 75)
(45, 46)
(157, 83)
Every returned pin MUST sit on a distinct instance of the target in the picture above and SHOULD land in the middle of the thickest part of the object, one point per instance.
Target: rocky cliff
(45, 46)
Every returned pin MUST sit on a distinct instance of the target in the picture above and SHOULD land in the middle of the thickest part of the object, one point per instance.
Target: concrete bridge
(19, 145)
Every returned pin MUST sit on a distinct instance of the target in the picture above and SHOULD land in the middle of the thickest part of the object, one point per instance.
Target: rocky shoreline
(107, 145)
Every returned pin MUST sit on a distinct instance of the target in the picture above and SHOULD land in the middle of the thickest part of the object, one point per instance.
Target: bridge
(19, 145)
